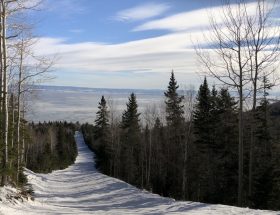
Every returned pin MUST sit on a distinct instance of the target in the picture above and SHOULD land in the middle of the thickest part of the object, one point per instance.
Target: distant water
(53, 103)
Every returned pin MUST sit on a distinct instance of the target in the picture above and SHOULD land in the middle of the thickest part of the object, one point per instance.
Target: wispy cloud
(142, 58)
(160, 54)
(177, 22)
(136, 64)
(142, 12)
(189, 20)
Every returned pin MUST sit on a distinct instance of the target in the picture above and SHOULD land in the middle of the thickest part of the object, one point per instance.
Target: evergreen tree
(174, 106)
(226, 148)
(226, 102)
(213, 120)
(102, 137)
(274, 197)
(158, 172)
(274, 201)
(175, 145)
(225, 115)
(262, 171)
(102, 121)
(130, 140)
(202, 117)
(205, 122)
(130, 117)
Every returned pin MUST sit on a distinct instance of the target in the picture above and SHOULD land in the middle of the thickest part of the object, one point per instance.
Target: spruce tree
(202, 117)
(130, 117)
(101, 135)
(262, 171)
(173, 101)
(175, 145)
(205, 120)
(226, 148)
(213, 120)
(226, 102)
(158, 172)
(130, 140)
(102, 121)
(274, 201)
(225, 115)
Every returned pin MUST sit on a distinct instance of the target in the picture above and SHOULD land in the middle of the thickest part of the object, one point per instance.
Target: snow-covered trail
(81, 189)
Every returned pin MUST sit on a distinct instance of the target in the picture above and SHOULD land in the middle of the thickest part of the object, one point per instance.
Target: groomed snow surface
(81, 189)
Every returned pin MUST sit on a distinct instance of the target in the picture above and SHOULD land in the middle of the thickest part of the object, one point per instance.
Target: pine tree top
(102, 121)
(103, 101)
(174, 106)
(130, 116)
(203, 96)
(225, 100)
(172, 87)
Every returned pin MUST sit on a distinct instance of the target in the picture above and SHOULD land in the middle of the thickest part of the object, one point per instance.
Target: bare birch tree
(4, 68)
(30, 69)
(8, 32)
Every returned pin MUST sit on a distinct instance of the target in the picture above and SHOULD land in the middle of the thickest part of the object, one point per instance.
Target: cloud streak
(159, 54)
(196, 19)
(142, 12)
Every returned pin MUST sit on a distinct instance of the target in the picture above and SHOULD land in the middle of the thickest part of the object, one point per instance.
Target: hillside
(81, 189)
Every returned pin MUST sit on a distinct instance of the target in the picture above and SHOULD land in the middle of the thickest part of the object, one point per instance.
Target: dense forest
(195, 157)
(51, 146)
(44, 147)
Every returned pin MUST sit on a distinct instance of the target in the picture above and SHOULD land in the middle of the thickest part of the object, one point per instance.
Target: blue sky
(101, 21)
(122, 43)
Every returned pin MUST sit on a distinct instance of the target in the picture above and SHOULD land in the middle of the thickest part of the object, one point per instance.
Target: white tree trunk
(5, 86)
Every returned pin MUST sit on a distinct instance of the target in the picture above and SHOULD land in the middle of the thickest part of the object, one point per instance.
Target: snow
(81, 189)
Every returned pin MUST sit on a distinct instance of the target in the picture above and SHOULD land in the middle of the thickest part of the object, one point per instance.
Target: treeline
(42, 148)
(51, 146)
(20, 68)
(192, 156)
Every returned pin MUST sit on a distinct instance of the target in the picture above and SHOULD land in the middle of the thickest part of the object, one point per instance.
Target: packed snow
(81, 189)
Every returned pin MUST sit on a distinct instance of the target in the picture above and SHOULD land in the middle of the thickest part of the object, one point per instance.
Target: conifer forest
(192, 158)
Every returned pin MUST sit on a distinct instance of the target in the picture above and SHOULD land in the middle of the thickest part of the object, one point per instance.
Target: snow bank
(80, 189)
(9, 195)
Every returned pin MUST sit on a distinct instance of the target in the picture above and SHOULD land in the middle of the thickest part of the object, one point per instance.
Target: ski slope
(81, 189)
